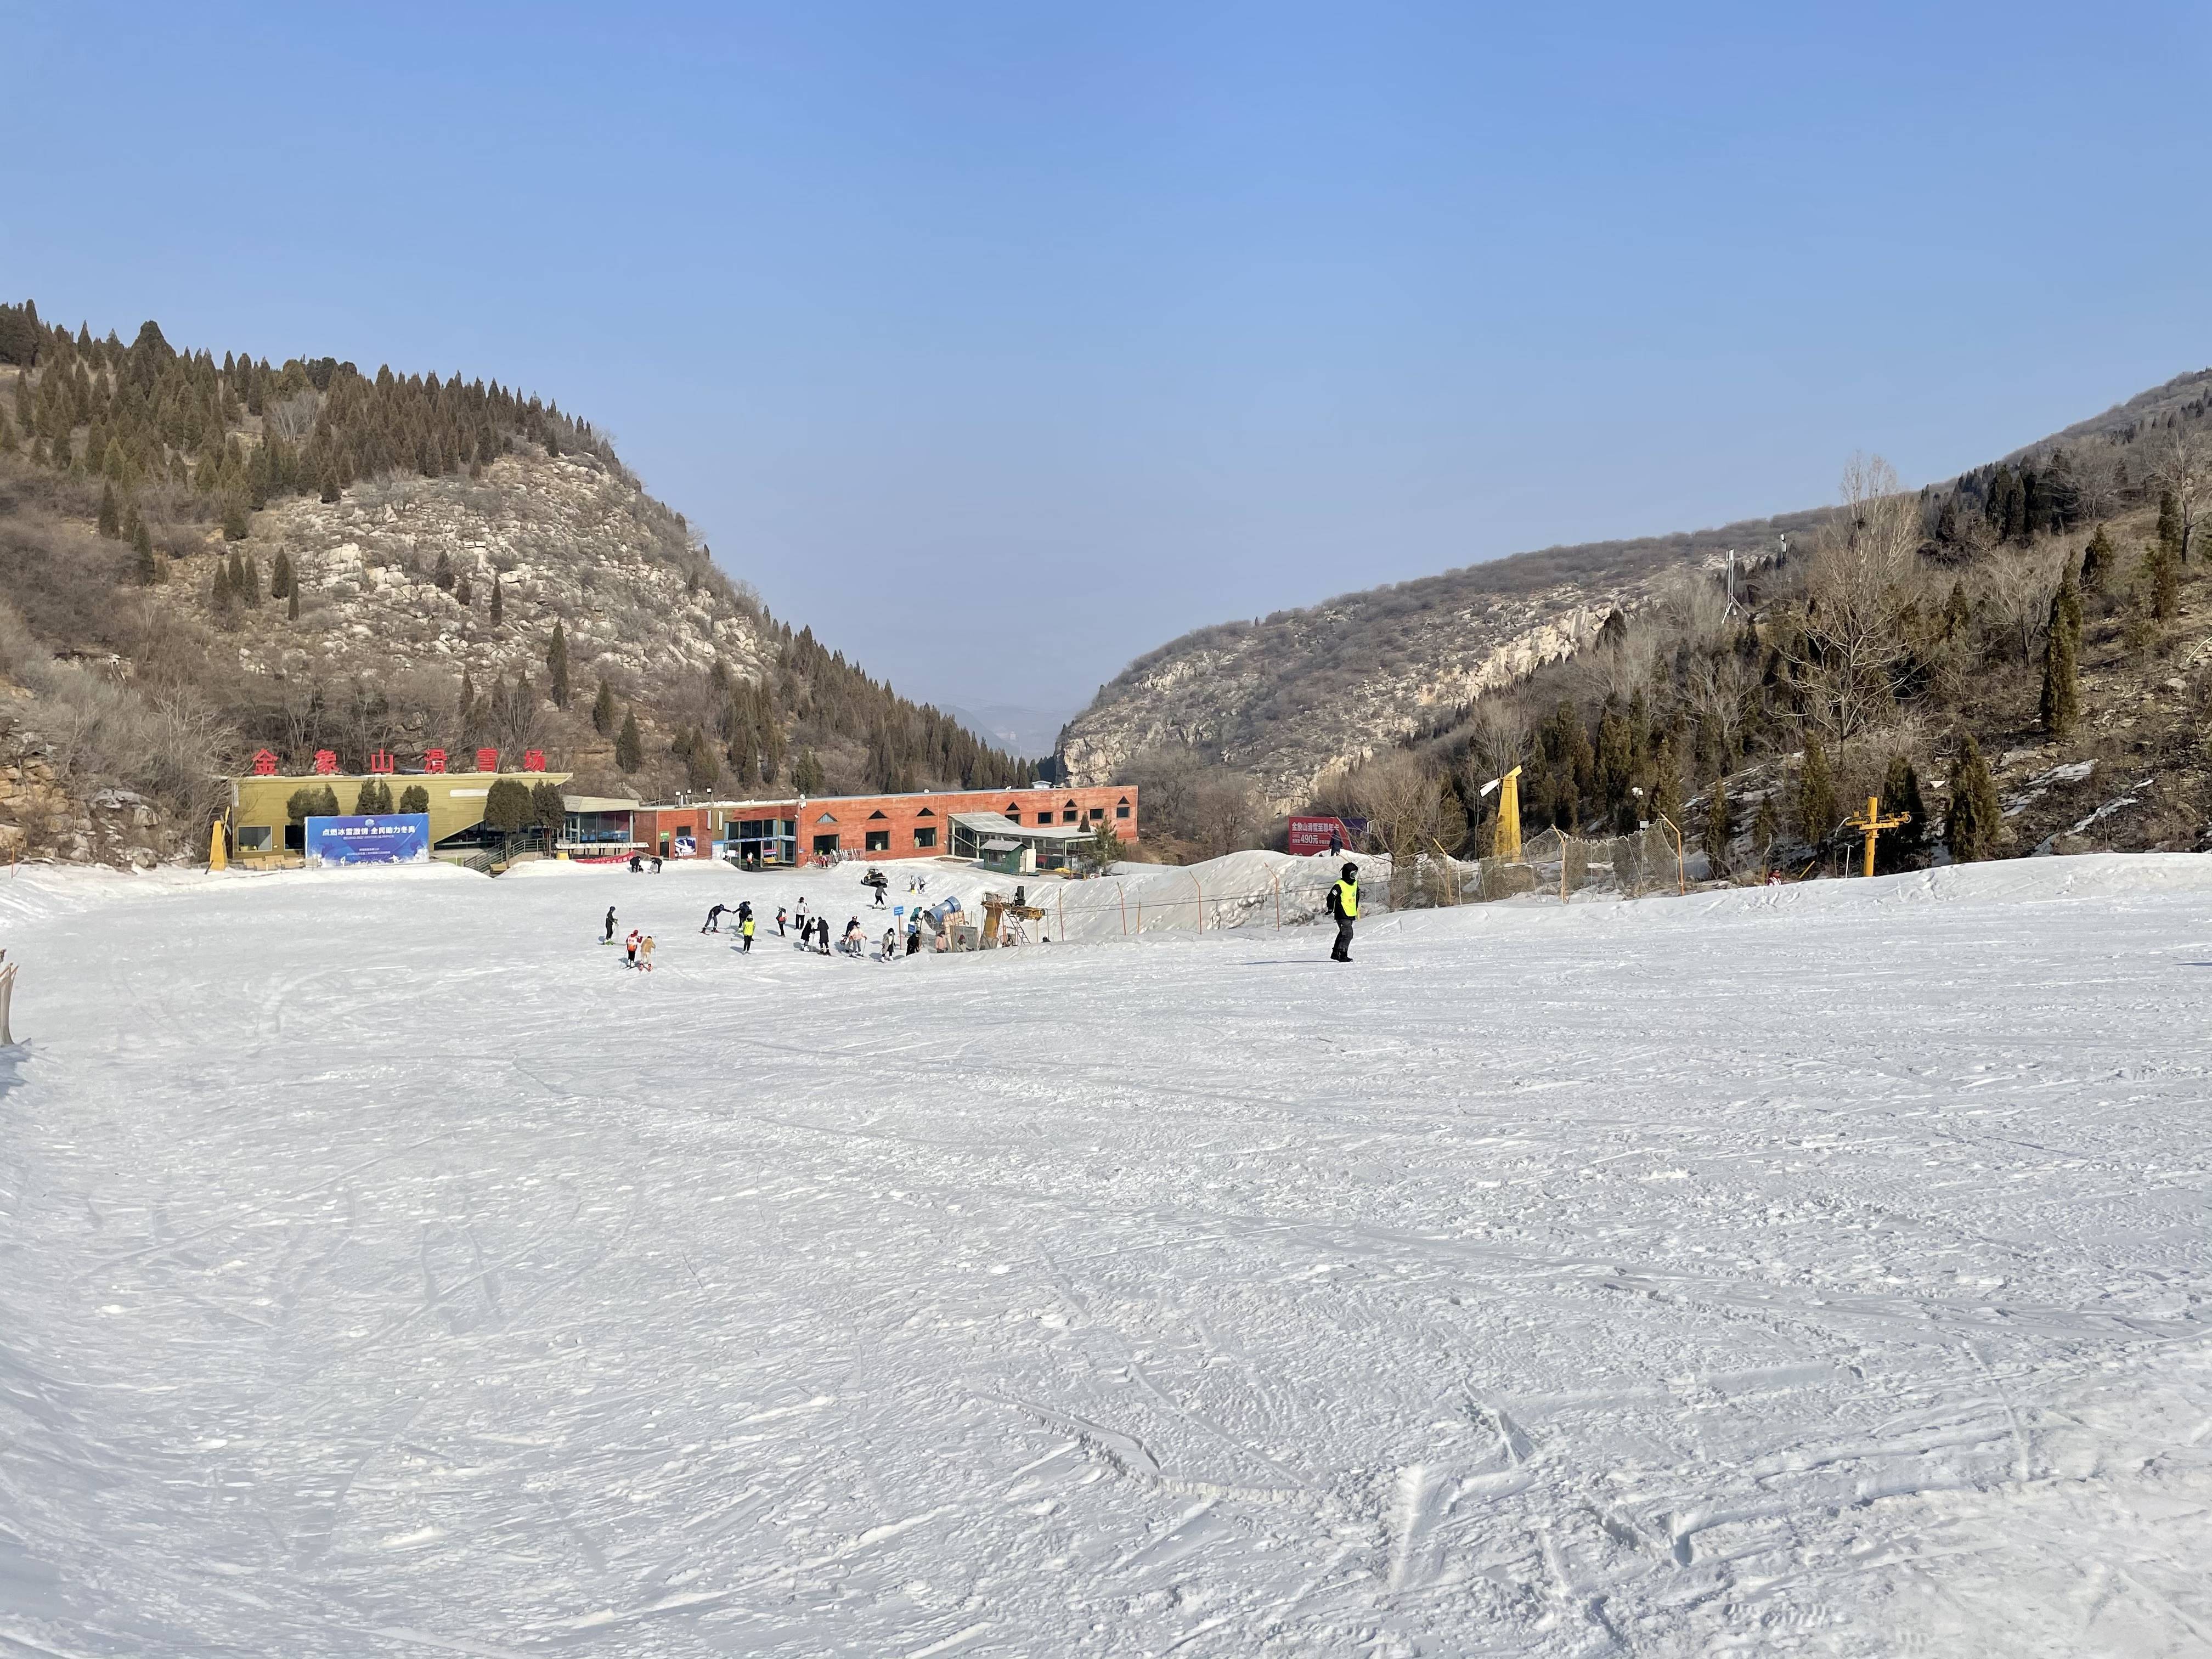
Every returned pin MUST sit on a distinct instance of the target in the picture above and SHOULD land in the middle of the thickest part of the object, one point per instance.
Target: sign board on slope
(382, 838)
(1310, 833)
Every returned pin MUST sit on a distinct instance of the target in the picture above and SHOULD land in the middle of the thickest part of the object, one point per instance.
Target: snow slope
(384, 1270)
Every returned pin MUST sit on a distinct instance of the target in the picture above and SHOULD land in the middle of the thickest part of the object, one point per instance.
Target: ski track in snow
(385, 1271)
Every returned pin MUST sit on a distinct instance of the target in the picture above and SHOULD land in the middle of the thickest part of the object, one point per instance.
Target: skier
(852, 939)
(890, 944)
(745, 931)
(644, 953)
(609, 939)
(714, 924)
(629, 948)
(1343, 905)
(781, 917)
(822, 936)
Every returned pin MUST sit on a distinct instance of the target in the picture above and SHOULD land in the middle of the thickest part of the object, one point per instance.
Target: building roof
(997, 824)
(597, 804)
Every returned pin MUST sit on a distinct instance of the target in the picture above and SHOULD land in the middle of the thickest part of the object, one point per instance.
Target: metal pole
(1122, 894)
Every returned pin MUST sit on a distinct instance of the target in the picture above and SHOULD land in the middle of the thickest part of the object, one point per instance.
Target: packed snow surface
(384, 1270)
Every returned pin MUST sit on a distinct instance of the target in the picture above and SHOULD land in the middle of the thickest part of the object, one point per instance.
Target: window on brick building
(925, 837)
(879, 841)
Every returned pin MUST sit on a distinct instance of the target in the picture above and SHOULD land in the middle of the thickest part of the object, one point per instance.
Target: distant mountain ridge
(1286, 700)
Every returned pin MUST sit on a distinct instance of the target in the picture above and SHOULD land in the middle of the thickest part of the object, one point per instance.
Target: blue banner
(387, 838)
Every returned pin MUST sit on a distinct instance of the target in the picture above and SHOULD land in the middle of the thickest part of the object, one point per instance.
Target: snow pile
(386, 1271)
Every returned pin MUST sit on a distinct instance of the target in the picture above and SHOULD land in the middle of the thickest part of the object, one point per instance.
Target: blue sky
(1003, 343)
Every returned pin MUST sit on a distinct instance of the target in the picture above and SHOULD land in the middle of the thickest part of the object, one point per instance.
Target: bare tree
(2184, 469)
(1409, 811)
(2020, 587)
(291, 418)
(1850, 647)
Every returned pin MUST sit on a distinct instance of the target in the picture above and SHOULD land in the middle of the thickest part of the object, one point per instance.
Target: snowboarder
(609, 939)
(629, 948)
(1343, 905)
(714, 924)
(745, 931)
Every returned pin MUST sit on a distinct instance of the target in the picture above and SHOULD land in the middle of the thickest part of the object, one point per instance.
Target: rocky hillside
(1299, 693)
(1288, 699)
(201, 558)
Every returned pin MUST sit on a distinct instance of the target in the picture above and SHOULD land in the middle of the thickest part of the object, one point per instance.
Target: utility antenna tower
(1733, 607)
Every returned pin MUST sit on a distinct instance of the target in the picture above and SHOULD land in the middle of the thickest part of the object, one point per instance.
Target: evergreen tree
(237, 518)
(1816, 794)
(498, 602)
(556, 665)
(704, 770)
(292, 602)
(443, 575)
(219, 596)
(629, 743)
(374, 796)
(1956, 611)
(1765, 828)
(414, 799)
(506, 806)
(1719, 830)
(465, 592)
(2062, 647)
(806, 773)
(1900, 793)
(2169, 524)
(2096, 562)
(547, 811)
(280, 576)
(110, 517)
(2162, 578)
(249, 587)
(143, 568)
(1972, 821)
(603, 710)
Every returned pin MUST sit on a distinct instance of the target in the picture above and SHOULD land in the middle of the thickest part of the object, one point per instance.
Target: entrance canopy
(990, 835)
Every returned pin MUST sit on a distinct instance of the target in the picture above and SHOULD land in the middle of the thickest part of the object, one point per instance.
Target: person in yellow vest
(746, 928)
(1343, 905)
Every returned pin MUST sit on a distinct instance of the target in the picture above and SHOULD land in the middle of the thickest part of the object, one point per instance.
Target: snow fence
(1275, 889)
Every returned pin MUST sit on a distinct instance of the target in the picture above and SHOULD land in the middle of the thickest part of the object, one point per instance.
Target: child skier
(745, 931)
(644, 953)
(629, 948)
(780, 918)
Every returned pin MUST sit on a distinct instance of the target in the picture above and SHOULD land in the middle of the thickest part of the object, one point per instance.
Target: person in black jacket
(1343, 905)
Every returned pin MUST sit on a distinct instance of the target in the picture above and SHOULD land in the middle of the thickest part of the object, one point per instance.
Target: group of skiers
(813, 931)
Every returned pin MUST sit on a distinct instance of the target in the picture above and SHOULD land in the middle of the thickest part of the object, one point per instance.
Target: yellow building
(261, 820)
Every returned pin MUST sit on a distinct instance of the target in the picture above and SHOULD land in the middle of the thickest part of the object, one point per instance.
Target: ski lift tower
(1733, 607)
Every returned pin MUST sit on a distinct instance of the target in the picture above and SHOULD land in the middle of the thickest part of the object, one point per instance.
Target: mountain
(1015, 727)
(200, 558)
(1291, 699)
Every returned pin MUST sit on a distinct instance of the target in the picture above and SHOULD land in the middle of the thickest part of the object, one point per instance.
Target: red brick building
(917, 826)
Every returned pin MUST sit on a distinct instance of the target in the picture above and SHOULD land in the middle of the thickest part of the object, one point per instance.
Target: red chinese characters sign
(533, 760)
(487, 760)
(265, 764)
(327, 763)
(433, 760)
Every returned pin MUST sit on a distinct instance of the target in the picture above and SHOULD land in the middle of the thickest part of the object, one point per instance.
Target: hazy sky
(1004, 341)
